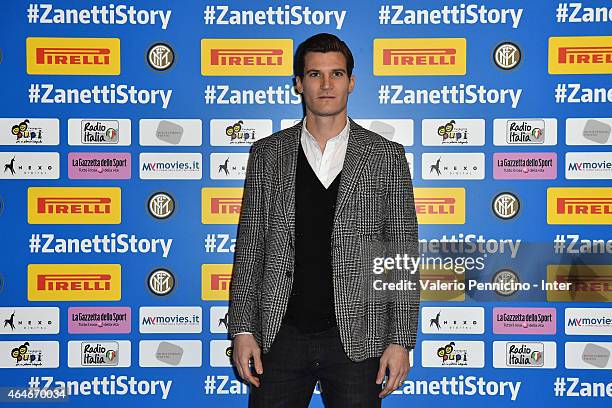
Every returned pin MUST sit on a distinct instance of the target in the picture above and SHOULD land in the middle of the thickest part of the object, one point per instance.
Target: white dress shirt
(326, 164)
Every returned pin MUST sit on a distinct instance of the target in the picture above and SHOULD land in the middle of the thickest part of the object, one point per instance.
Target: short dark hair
(323, 42)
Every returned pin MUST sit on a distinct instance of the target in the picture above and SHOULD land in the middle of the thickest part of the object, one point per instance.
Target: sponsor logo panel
(29, 320)
(221, 205)
(440, 205)
(66, 282)
(177, 319)
(459, 320)
(524, 320)
(452, 353)
(419, 56)
(170, 353)
(30, 165)
(439, 284)
(587, 283)
(525, 166)
(228, 166)
(396, 130)
(580, 55)
(216, 281)
(111, 320)
(219, 319)
(221, 353)
(99, 353)
(73, 56)
(453, 166)
(453, 132)
(238, 132)
(588, 165)
(29, 131)
(524, 354)
(588, 355)
(100, 166)
(180, 166)
(74, 205)
(575, 205)
(170, 132)
(525, 132)
(99, 132)
(588, 321)
(247, 57)
(28, 353)
(588, 131)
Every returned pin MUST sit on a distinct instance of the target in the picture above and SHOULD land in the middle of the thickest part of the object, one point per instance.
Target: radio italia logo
(419, 56)
(240, 57)
(221, 205)
(82, 282)
(592, 205)
(71, 205)
(580, 55)
(73, 56)
(440, 205)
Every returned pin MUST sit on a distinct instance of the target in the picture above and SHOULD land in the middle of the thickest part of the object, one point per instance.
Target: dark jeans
(297, 361)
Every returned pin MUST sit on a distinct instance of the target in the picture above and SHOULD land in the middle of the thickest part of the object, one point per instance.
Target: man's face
(326, 84)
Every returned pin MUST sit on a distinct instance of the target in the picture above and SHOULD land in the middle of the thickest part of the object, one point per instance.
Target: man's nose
(326, 83)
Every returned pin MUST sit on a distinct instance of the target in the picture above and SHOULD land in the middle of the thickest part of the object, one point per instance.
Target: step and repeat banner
(124, 136)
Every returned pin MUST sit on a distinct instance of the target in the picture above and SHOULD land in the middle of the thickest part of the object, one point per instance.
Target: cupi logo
(25, 133)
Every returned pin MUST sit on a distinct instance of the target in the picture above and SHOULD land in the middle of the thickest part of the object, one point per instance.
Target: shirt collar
(340, 137)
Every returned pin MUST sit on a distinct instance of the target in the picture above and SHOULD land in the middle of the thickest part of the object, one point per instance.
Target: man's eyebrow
(318, 70)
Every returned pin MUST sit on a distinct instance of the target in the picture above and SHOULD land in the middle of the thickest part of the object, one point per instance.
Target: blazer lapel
(357, 152)
(288, 160)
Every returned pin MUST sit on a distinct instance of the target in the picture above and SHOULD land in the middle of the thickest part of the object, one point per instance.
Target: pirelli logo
(419, 56)
(580, 55)
(74, 205)
(221, 205)
(73, 56)
(587, 205)
(587, 283)
(216, 279)
(440, 205)
(247, 57)
(74, 282)
(438, 284)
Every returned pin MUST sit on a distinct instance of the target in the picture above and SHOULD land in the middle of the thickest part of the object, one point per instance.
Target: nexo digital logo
(73, 56)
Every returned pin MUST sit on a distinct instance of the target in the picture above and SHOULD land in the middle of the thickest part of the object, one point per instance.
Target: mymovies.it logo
(184, 319)
(99, 132)
(588, 321)
(588, 165)
(181, 166)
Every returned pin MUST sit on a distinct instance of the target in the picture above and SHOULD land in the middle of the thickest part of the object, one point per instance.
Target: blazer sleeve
(401, 233)
(249, 251)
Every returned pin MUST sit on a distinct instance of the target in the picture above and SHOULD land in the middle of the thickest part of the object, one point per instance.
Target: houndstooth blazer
(374, 212)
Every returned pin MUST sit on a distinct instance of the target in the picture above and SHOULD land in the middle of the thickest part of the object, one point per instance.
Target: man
(321, 199)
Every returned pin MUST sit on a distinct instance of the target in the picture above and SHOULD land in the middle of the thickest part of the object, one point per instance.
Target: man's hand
(397, 359)
(245, 348)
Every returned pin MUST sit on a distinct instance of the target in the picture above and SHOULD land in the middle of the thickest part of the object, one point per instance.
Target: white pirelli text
(100, 244)
(448, 95)
(113, 14)
(120, 94)
(107, 385)
(279, 15)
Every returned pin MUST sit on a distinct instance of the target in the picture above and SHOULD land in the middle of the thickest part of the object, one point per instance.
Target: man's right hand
(245, 349)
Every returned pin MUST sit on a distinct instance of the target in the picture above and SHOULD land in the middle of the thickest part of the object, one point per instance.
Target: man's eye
(339, 73)
(312, 74)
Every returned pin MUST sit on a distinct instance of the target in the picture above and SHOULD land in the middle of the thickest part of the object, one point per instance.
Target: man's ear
(351, 83)
(298, 84)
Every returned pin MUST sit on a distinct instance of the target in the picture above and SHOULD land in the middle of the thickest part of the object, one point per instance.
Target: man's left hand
(397, 359)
